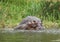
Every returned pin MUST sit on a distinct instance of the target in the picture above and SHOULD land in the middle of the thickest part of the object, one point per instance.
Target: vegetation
(13, 11)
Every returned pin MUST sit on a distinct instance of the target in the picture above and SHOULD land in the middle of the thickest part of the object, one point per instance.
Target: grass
(13, 11)
(49, 24)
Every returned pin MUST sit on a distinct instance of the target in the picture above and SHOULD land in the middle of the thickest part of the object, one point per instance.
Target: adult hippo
(30, 23)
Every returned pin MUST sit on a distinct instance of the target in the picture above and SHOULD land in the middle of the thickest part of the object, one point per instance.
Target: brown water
(47, 35)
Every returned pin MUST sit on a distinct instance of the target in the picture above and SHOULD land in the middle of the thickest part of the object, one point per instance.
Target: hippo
(30, 23)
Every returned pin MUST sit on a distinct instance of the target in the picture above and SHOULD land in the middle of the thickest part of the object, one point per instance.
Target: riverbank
(13, 11)
(46, 24)
(49, 24)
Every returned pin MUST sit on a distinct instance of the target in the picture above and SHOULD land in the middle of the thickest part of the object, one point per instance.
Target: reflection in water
(47, 35)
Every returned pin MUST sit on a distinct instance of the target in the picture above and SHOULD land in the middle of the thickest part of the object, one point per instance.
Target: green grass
(13, 11)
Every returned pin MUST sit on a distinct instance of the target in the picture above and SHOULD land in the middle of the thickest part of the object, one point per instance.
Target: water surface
(47, 35)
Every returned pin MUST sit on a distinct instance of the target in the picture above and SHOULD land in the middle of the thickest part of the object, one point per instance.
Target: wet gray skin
(35, 23)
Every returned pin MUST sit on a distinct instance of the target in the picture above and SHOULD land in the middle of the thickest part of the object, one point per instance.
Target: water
(47, 35)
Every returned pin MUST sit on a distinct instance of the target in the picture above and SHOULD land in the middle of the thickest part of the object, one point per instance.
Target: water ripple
(53, 31)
